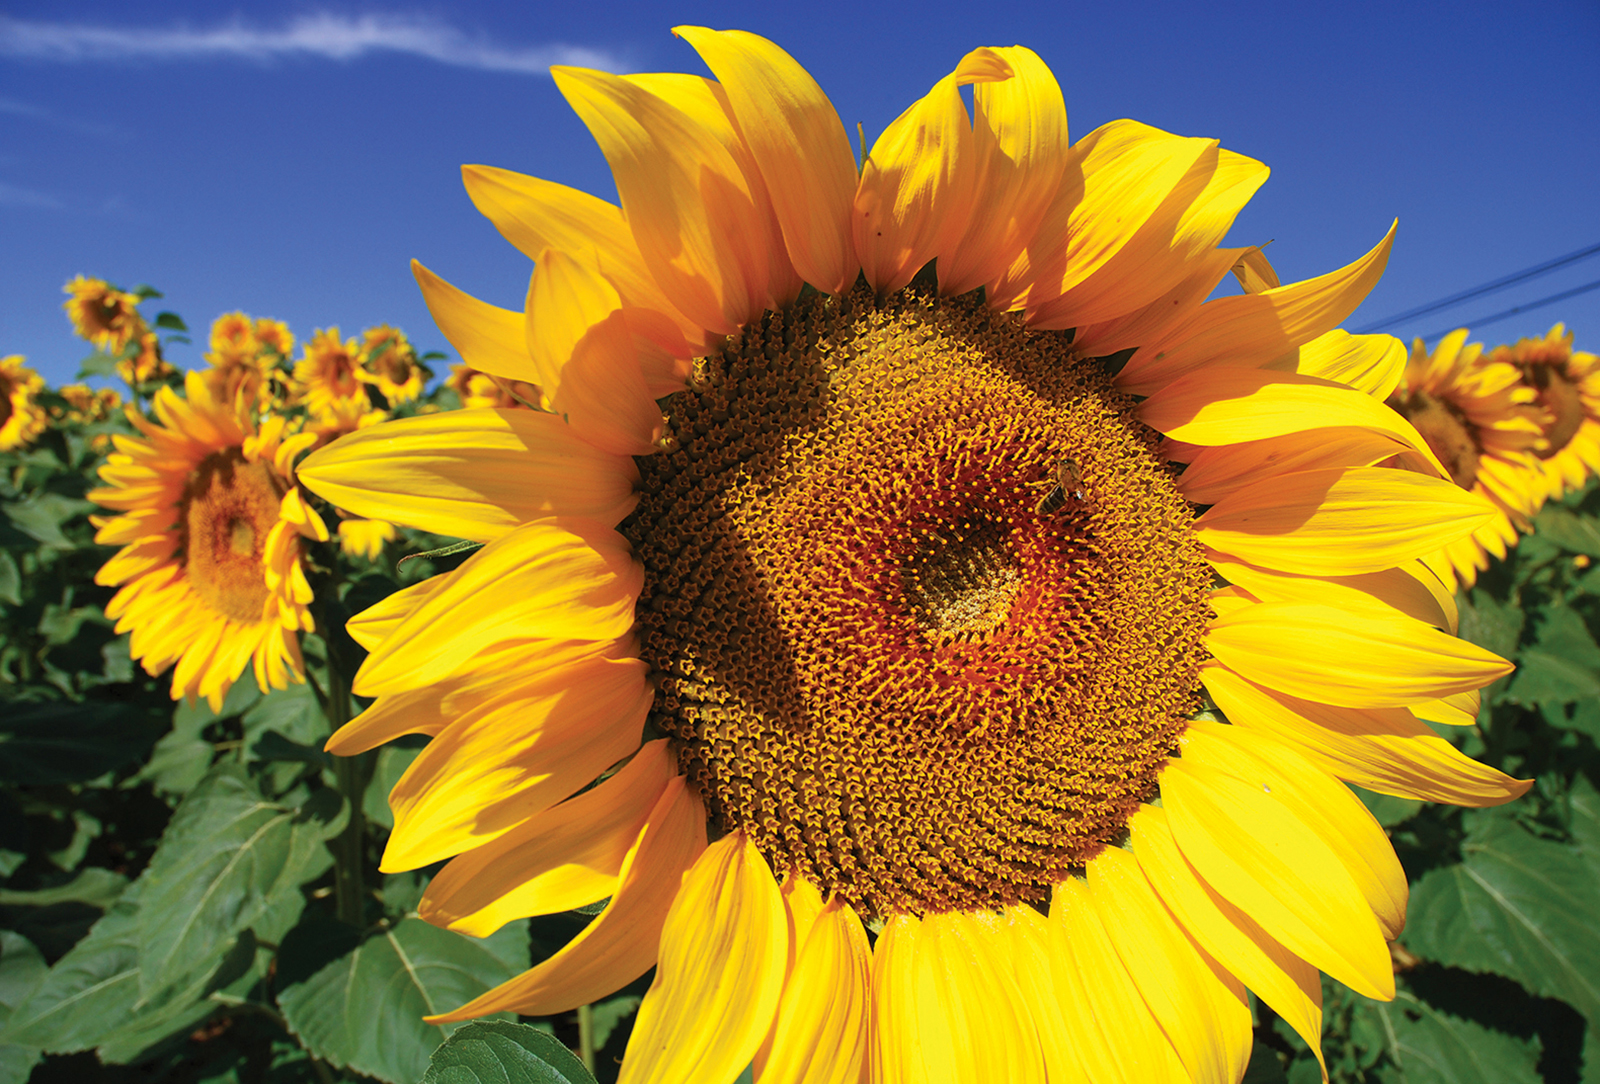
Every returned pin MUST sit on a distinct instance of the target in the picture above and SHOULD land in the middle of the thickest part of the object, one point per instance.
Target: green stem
(349, 847)
(586, 1037)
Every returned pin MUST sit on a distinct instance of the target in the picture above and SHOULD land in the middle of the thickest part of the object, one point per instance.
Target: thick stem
(586, 1037)
(349, 847)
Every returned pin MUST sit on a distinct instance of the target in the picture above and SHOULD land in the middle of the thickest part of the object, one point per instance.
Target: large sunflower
(877, 611)
(1484, 423)
(212, 533)
(21, 418)
(1566, 383)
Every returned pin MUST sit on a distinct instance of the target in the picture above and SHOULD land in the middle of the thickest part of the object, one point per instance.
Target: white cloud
(12, 196)
(325, 35)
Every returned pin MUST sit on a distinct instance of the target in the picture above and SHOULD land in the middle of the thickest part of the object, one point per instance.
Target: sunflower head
(274, 336)
(1566, 384)
(213, 529)
(103, 314)
(390, 362)
(329, 373)
(147, 365)
(21, 418)
(850, 583)
(86, 405)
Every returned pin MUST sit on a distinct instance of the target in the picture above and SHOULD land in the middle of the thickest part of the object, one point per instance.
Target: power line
(1487, 288)
(1515, 309)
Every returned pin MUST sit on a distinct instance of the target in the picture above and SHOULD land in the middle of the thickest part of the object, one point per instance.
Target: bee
(1067, 485)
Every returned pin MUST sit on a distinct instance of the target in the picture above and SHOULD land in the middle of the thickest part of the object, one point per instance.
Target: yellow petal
(576, 330)
(567, 579)
(720, 977)
(534, 215)
(1254, 271)
(1202, 1009)
(1151, 321)
(1158, 254)
(798, 143)
(1340, 521)
(1366, 660)
(488, 338)
(1388, 591)
(1048, 993)
(1114, 182)
(1280, 978)
(621, 943)
(1128, 1034)
(820, 1036)
(472, 474)
(370, 626)
(1321, 802)
(916, 187)
(1372, 364)
(1251, 330)
(697, 225)
(570, 856)
(513, 757)
(1255, 852)
(1216, 473)
(1020, 147)
(1383, 749)
(1460, 709)
(1223, 406)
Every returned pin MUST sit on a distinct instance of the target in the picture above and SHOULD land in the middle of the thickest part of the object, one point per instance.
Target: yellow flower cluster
(109, 318)
(20, 417)
(1519, 425)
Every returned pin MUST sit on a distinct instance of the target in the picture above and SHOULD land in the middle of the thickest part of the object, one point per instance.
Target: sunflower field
(873, 621)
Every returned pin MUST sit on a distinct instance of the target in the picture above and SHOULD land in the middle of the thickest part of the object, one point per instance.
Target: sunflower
(1484, 424)
(21, 419)
(103, 314)
(212, 530)
(873, 609)
(482, 390)
(147, 365)
(1566, 383)
(275, 336)
(329, 375)
(391, 363)
(88, 405)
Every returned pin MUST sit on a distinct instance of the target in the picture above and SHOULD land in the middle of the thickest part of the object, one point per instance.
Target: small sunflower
(1484, 424)
(103, 314)
(275, 336)
(840, 621)
(212, 530)
(1566, 383)
(235, 360)
(329, 375)
(477, 389)
(21, 419)
(88, 405)
(391, 363)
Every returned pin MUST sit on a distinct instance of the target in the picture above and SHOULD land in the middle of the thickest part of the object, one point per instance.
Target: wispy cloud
(322, 35)
(10, 107)
(12, 196)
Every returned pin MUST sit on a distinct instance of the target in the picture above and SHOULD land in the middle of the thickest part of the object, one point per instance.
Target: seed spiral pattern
(898, 642)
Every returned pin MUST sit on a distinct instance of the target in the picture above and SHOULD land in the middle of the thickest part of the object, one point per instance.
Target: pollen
(889, 642)
(229, 506)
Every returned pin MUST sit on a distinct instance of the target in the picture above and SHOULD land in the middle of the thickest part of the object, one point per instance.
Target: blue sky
(289, 160)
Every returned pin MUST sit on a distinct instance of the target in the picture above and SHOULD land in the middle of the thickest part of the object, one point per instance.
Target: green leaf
(98, 363)
(1572, 532)
(292, 713)
(40, 516)
(10, 580)
(1516, 905)
(1427, 1046)
(1490, 623)
(364, 1011)
(22, 968)
(1562, 666)
(391, 765)
(501, 1052)
(66, 742)
(1388, 809)
(171, 321)
(1264, 1067)
(226, 852)
(96, 887)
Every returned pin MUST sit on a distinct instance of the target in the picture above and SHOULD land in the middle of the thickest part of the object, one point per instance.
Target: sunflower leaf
(70, 742)
(1572, 532)
(364, 1010)
(1427, 1046)
(504, 1053)
(1518, 906)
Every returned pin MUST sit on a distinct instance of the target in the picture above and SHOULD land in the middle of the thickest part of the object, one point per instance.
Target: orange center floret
(1446, 429)
(898, 642)
(229, 506)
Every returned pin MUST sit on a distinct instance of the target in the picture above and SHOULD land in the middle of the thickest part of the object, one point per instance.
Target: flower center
(6, 389)
(922, 600)
(1447, 432)
(229, 506)
(1559, 395)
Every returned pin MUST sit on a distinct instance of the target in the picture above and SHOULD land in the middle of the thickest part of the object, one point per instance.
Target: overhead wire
(1491, 288)
(1527, 306)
